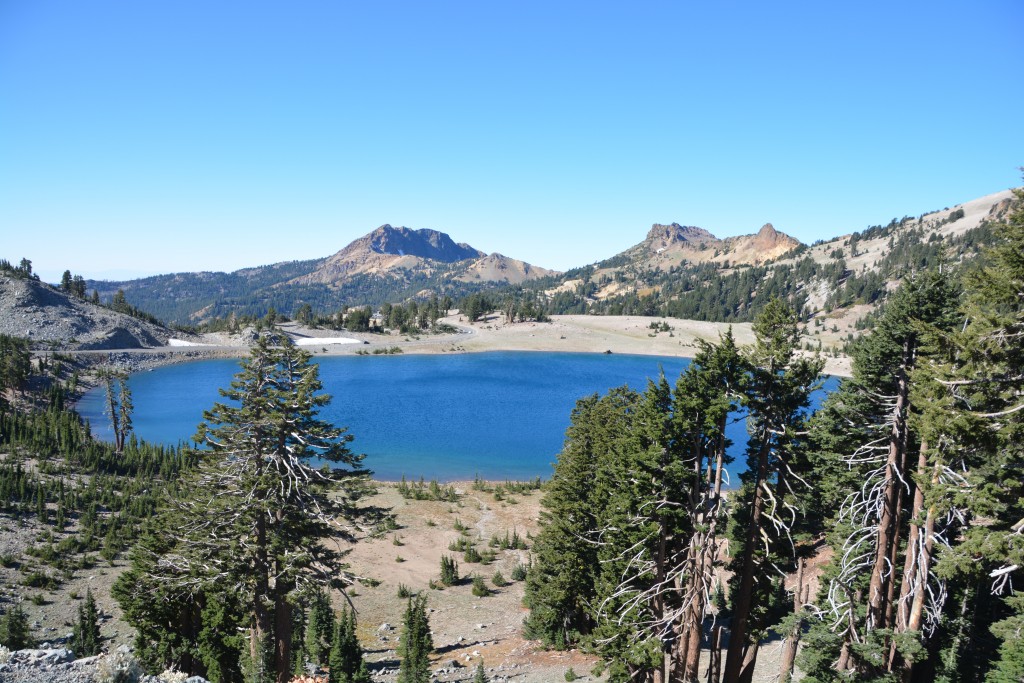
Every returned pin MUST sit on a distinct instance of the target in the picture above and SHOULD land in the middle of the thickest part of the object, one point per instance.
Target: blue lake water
(498, 415)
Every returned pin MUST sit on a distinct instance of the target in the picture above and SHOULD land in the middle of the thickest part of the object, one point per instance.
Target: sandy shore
(567, 333)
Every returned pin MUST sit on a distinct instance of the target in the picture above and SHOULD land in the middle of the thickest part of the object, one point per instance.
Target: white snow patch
(182, 342)
(317, 341)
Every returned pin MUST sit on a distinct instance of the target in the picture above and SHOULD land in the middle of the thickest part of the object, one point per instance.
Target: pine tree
(14, 629)
(256, 512)
(705, 396)
(876, 466)
(984, 402)
(480, 676)
(320, 628)
(643, 532)
(85, 639)
(416, 644)
(560, 585)
(449, 571)
(346, 657)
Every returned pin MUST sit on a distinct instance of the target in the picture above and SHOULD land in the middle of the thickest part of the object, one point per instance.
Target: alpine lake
(495, 415)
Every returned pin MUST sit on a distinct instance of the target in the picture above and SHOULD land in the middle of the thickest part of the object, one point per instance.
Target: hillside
(387, 265)
(686, 272)
(44, 315)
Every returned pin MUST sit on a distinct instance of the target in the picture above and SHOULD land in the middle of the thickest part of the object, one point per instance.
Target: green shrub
(480, 588)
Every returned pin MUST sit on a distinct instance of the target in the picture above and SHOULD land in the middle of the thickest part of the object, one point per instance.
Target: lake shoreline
(632, 335)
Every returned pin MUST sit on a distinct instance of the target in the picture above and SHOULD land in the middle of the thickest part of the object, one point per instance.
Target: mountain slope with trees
(677, 271)
(387, 265)
(685, 272)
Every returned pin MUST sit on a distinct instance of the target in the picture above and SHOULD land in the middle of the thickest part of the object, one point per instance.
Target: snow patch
(316, 341)
(182, 342)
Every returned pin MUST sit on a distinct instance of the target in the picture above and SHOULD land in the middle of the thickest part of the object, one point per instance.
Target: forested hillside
(880, 538)
(701, 284)
(388, 265)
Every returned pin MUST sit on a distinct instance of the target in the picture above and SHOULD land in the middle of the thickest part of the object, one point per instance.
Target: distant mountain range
(678, 270)
(387, 265)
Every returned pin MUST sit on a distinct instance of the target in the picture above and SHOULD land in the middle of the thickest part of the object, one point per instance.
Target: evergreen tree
(15, 363)
(256, 513)
(346, 656)
(320, 628)
(984, 402)
(643, 534)
(85, 638)
(118, 406)
(449, 571)
(417, 644)
(14, 629)
(707, 393)
(560, 585)
(480, 676)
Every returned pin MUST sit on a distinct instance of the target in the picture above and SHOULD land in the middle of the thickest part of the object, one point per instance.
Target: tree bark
(282, 632)
(789, 647)
(259, 629)
(888, 523)
(715, 659)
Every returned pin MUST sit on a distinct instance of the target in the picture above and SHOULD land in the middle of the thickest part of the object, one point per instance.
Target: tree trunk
(749, 661)
(734, 659)
(715, 658)
(282, 632)
(888, 523)
(259, 629)
(706, 560)
(913, 538)
(922, 570)
(793, 637)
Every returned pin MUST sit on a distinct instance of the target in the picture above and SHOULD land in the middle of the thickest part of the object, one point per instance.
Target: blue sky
(148, 137)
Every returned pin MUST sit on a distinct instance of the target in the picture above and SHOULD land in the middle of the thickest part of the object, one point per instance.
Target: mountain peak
(431, 244)
(673, 232)
(767, 230)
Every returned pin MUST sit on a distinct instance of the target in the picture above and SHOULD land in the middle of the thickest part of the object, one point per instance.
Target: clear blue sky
(194, 135)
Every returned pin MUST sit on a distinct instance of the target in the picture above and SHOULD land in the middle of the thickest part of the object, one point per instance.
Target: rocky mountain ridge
(673, 244)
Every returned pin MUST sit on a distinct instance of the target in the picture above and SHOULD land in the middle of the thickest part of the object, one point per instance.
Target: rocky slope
(46, 316)
(674, 244)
